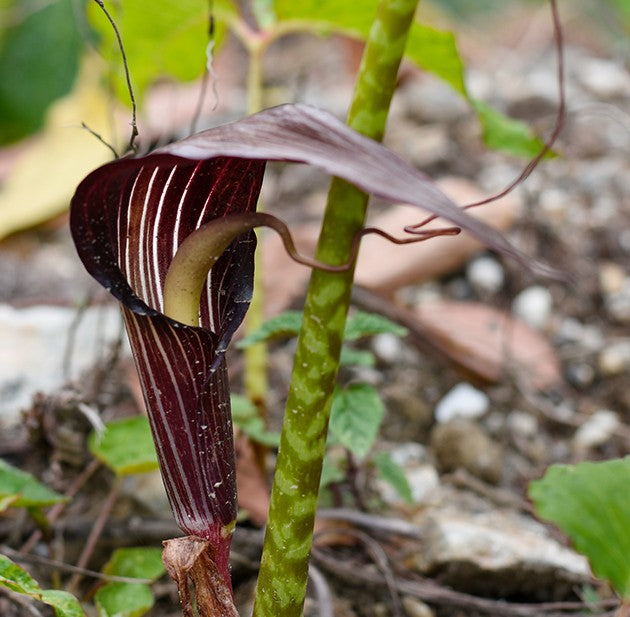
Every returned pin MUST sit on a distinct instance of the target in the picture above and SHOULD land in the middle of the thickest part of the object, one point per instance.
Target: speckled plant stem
(283, 573)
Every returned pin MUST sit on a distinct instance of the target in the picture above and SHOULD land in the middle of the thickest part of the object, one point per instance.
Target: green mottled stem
(283, 573)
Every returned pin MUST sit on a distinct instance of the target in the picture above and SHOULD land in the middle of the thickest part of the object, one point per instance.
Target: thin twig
(96, 531)
(323, 595)
(134, 127)
(100, 138)
(66, 567)
(371, 521)
(432, 592)
(379, 557)
(55, 512)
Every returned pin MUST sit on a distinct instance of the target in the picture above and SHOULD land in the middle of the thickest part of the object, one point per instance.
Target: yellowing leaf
(41, 183)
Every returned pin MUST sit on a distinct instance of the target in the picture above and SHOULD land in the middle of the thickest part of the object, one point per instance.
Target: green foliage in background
(118, 599)
(40, 46)
(20, 489)
(125, 446)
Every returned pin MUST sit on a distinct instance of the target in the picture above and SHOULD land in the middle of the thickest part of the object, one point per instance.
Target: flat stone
(498, 552)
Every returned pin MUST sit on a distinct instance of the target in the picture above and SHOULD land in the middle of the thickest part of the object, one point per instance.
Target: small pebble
(464, 444)
(611, 278)
(596, 431)
(387, 347)
(522, 423)
(618, 303)
(416, 608)
(533, 305)
(485, 274)
(580, 374)
(614, 359)
(462, 401)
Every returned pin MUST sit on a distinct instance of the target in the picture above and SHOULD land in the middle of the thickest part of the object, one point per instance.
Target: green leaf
(354, 18)
(506, 134)
(40, 48)
(356, 415)
(362, 324)
(20, 489)
(332, 471)
(129, 599)
(126, 446)
(356, 357)
(17, 579)
(589, 502)
(245, 416)
(136, 562)
(285, 325)
(392, 473)
(123, 600)
(435, 51)
(163, 38)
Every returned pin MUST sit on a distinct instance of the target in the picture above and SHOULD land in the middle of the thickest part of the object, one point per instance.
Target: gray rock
(533, 305)
(34, 345)
(498, 552)
(462, 401)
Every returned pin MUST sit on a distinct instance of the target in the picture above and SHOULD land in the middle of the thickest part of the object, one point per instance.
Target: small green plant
(126, 448)
(589, 502)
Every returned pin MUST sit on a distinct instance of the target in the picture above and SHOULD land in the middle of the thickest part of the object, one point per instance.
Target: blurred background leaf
(40, 47)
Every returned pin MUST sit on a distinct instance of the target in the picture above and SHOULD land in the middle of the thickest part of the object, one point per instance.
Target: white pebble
(597, 430)
(533, 306)
(387, 347)
(485, 275)
(615, 359)
(462, 401)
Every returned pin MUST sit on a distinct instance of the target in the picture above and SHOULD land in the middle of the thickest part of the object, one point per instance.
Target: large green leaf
(17, 579)
(356, 416)
(590, 503)
(161, 38)
(40, 47)
(126, 446)
(21, 489)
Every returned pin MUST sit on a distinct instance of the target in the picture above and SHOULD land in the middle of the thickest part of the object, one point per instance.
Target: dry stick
(432, 592)
(56, 511)
(134, 128)
(325, 605)
(95, 533)
(378, 555)
(548, 145)
(66, 567)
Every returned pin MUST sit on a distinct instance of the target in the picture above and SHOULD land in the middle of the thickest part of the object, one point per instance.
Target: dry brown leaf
(383, 267)
(253, 493)
(489, 342)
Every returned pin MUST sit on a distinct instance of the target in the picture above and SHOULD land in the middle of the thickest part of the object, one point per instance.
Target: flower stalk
(283, 574)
